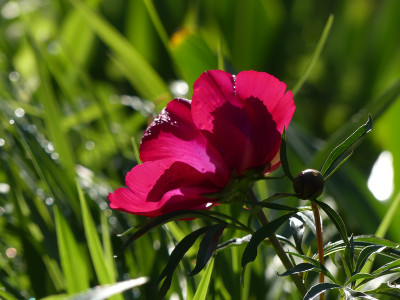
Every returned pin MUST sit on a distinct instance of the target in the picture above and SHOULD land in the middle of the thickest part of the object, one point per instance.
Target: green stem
(277, 246)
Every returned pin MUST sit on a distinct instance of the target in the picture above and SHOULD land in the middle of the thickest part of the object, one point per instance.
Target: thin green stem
(277, 246)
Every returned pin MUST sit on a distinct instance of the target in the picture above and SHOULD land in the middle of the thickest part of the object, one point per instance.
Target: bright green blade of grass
(201, 292)
(104, 273)
(315, 55)
(146, 81)
(70, 256)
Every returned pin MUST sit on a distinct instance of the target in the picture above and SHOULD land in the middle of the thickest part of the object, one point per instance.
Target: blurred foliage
(79, 81)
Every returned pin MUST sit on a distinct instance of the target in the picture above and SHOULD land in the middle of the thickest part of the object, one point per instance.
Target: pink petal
(159, 187)
(242, 130)
(271, 92)
(172, 135)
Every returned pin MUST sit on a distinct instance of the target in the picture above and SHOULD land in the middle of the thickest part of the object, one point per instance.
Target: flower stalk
(277, 246)
(320, 243)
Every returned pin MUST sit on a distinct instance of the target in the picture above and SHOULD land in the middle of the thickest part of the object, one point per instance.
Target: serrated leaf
(283, 157)
(320, 288)
(345, 145)
(250, 252)
(336, 220)
(176, 256)
(207, 247)
(365, 254)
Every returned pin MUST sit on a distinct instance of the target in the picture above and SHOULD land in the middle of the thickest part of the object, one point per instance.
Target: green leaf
(250, 252)
(336, 220)
(365, 254)
(320, 288)
(207, 247)
(161, 220)
(318, 266)
(106, 291)
(176, 256)
(283, 157)
(143, 77)
(201, 292)
(315, 55)
(300, 268)
(349, 255)
(345, 145)
(351, 294)
(104, 273)
(275, 206)
(358, 276)
(70, 256)
(297, 229)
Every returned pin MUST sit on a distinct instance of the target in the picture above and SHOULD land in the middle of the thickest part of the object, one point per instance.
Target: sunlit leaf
(335, 155)
(320, 288)
(336, 220)
(201, 292)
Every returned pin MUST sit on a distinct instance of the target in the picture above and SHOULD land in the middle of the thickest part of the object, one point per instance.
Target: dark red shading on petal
(242, 129)
(172, 135)
(163, 186)
(271, 91)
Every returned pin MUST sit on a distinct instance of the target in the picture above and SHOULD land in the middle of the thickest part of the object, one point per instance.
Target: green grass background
(89, 75)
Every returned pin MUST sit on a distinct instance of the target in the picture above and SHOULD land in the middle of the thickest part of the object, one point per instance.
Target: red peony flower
(233, 125)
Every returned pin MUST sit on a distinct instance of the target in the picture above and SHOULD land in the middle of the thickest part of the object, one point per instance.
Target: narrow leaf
(300, 268)
(176, 256)
(320, 288)
(315, 55)
(336, 220)
(201, 291)
(297, 228)
(161, 220)
(208, 246)
(103, 272)
(250, 253)
(70, 256)
(365, 254)
(346, 144)
(275, 206)
(106, 291)
(283, 157)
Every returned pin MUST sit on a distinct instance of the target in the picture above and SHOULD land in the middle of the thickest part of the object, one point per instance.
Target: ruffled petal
(172, 135)
(271, 91)
(159, 187)
(242, 129)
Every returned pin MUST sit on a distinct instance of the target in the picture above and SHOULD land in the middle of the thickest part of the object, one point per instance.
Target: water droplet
(14, 76)
(19, 112)
(10, 10)
(11, 121)
(4, 188)
(55, 156)
(11, 252)
(90, 145)
(49, 201)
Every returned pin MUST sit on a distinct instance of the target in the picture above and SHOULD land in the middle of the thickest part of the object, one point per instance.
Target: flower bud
(308, 184)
